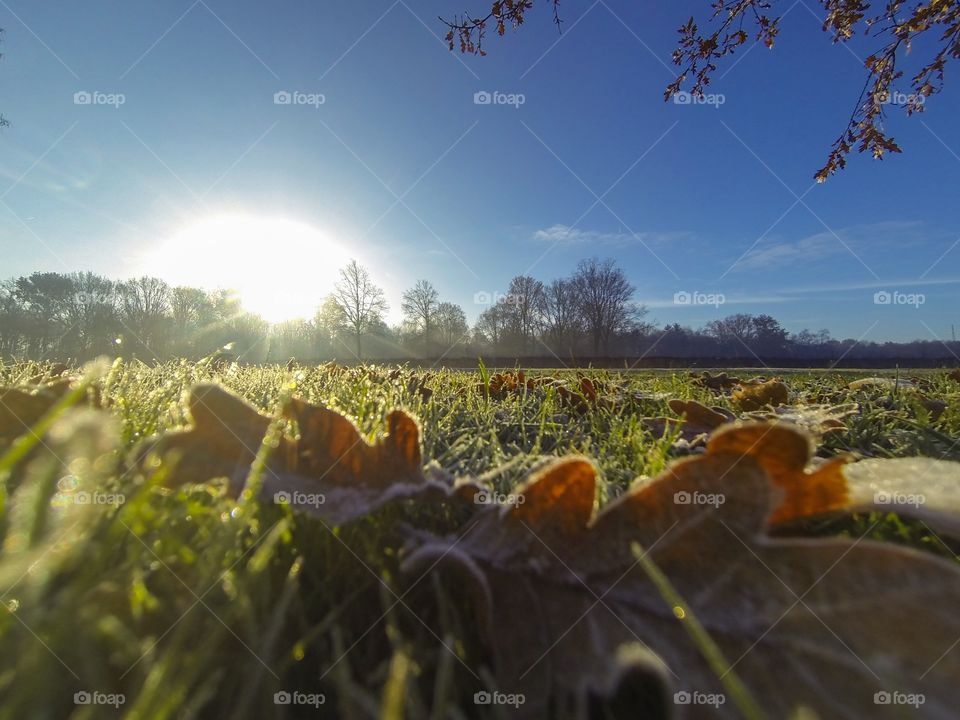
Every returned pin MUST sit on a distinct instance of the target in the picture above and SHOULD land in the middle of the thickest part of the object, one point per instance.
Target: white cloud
(566, 235)
(777, 254)
(856, 239)
(669, 303)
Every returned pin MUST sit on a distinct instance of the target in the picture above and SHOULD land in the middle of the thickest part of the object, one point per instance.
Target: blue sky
(400, 167)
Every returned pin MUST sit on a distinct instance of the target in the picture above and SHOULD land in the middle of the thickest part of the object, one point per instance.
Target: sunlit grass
(190, 606)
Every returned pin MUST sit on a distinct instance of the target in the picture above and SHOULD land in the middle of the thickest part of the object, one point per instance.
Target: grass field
(188, 603)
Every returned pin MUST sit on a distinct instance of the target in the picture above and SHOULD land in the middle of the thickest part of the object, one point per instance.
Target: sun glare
(279, 268)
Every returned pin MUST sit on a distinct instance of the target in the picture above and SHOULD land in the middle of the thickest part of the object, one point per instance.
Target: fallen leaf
(816, 419)
(418, 386)
(559, 592)
(222, 441)
(328, 470)
(881, 383)
(935, 407)
(501, 384)
(585, 397)
(919, 487)
(757, 394)
(785, 454)
(53, 371)
(696, 421)
(21, 407)
(718, 382)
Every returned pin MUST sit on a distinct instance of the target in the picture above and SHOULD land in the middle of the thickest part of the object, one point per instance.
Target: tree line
(589, 314)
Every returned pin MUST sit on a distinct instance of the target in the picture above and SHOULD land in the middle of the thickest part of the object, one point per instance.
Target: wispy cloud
(565, 235)
(656, 303)
(774, 253)
(898, 283)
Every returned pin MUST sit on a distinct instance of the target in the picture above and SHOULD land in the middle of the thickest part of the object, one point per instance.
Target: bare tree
(330, 324)
(491, 326)
(604, 293)
(452, 325)
(732, 328)
(562, 314)
(526, 300)
(756, 334)
(145, 302)
(420, 304)
(362, 301)
(92, 313)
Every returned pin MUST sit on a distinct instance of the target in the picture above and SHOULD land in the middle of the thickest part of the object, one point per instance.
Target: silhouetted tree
(145, 305)
(452, 328)
(419, 308)
(77, 316)
(491, 326)
(331, 324)
(604, 294)
(563, 316)
(525, 304)
(362, 301)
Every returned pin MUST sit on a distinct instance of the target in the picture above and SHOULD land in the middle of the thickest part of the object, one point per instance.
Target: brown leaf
(585, 396)
(54, 370)
(839, 619)
(718, 382)
(328, 470)
(933, 406)
(785, 453)
(331, 446)
(22, 407)
(501, 384)
(700, 415)
(222, 442)
(816, 419)
(757, 394)
(696, 422)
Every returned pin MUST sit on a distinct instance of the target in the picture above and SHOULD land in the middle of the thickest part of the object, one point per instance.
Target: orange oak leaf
(757, 394)
(328, 469)
(696, 421)
(559, 594)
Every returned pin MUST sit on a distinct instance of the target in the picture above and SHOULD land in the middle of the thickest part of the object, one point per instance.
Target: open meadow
(303, 571)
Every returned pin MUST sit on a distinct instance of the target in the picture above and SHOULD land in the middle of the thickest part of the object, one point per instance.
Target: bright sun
(279, 268)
